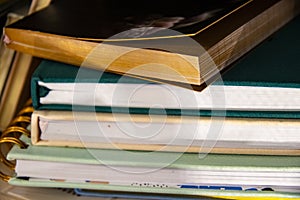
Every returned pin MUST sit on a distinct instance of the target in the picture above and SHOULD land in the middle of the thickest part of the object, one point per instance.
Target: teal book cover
(264, 83)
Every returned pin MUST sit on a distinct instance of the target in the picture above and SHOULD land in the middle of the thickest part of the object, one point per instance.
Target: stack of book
(139, 130)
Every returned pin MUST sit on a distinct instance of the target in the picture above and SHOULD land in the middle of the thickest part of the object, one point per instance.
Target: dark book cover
(176, 36)
(100, 19)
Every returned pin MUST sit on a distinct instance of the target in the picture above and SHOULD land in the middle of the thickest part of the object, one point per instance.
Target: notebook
(231, 168)
(278, 173)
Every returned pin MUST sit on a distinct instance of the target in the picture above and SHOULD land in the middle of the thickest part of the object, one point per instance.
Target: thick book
(264, 83)
(160, 44)
(166, 132)
(150, 172)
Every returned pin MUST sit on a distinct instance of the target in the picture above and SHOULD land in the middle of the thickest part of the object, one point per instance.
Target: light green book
(156, 172)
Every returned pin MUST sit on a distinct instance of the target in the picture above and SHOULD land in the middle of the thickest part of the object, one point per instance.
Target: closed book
(166, 132)
(132, 171)
(187, 46)
(264, 83)
(221, 176)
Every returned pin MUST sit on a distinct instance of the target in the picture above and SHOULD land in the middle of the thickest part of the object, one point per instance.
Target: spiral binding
(10, 136)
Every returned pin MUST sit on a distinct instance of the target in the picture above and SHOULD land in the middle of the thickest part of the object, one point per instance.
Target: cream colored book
(165, 132)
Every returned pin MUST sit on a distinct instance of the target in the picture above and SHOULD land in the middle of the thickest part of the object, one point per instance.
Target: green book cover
(252, 164)
(154, 159)
(273, 64)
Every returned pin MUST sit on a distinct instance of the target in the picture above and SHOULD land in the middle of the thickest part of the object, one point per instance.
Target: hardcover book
(209, 176)
(158, 45)
(264, 83)
(166, 133)
(151, 172)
